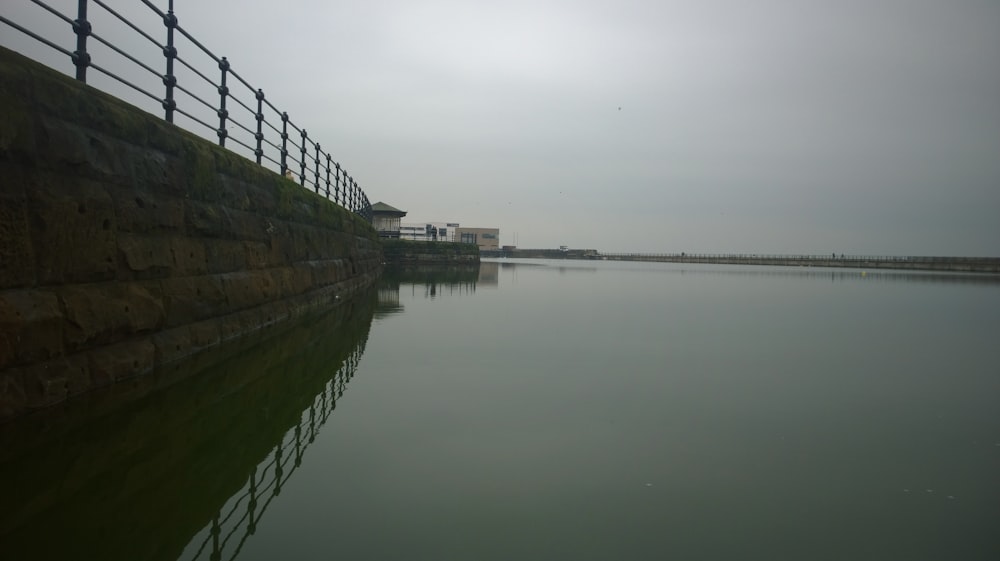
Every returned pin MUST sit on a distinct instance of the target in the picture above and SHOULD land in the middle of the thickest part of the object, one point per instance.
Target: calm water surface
(551, 410)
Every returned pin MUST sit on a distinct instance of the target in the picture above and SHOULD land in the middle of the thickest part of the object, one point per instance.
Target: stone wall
(127, 243)
(410, 252)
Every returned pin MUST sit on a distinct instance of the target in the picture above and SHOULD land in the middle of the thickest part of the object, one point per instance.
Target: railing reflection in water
(184, 464)
(242, 512)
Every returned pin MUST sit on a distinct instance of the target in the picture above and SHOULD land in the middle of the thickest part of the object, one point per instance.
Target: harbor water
(549, 410)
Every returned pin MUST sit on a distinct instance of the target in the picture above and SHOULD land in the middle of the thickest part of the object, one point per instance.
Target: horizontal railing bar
(36, 37)
(153, 7)
(275, 129)
(240, 125)
(126, 55)
(240, 142)
(195, 119)
(270, 159)
(242, 81)
(273, 145)
(268, 103)
(128, 23)
(244, 105)
(196, 71)
(197, 44)
(54, 11)
(191, 94)
(124, 81)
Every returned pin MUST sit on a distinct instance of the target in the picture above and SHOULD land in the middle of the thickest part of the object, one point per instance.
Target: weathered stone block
(258, 255)
(17, 121)
(189, 299)
(13, 398)
(327, 272)
(261, 195)
(206, 333)
(144, 307)
(248, 226)
(245, 289)
(151, 169)
(31, 327)
(17, 258)
(239, 324)
(95, 314)
(145, 257)
(72, 224)
(207, 220)
(224, 256)
(172, 344)
(48, 383)
(188, 256)
(282, 246)
(121, 361)
(80, 151)
(302, 278)
(147, 211)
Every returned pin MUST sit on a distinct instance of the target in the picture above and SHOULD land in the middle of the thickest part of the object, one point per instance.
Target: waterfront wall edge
(127, 243)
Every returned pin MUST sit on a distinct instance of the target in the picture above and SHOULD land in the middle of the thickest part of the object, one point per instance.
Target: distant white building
(428, 231)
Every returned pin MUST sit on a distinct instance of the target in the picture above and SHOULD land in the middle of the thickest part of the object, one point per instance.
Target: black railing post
(316, 182)
(278, 470)
(170, 52)
(328, 176)
(252, 504)
(259, 136)
(81, 58)
(284, 143)
(223, 94)
(302, 161)
(216, 530)
(298, 444)
(336, 185)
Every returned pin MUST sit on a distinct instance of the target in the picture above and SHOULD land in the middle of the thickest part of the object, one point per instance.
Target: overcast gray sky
(768, 126)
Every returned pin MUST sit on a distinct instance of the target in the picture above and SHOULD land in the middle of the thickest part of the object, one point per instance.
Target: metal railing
(269, 138)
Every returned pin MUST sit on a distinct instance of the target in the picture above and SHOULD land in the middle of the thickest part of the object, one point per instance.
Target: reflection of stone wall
(127, 243)
(136, 472)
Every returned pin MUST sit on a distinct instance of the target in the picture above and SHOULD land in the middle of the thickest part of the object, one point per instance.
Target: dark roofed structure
(385, 218)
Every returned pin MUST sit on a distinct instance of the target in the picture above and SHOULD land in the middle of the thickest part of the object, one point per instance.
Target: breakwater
(955, 264)
(916, 263)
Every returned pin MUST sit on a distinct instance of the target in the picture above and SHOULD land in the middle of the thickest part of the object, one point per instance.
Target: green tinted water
(551, 410)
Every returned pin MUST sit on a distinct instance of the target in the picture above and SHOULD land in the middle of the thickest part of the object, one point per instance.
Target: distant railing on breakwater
(926, 263)
(264, 140)
(239, 517)
(929, 263)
